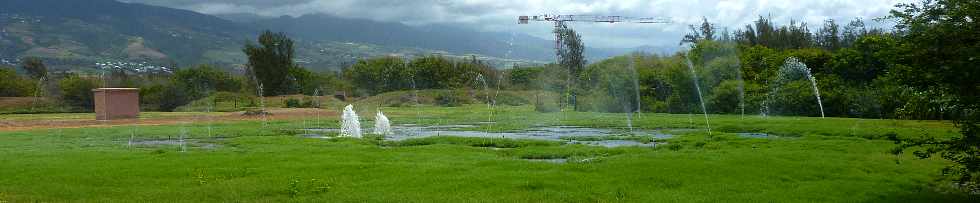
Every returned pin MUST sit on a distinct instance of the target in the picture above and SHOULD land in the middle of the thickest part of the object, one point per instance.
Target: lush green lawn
(826, 160)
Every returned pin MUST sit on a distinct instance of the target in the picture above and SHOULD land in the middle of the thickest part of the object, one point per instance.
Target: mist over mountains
(78, 34)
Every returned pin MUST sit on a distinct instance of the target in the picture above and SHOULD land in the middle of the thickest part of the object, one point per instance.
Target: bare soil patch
(7, 124)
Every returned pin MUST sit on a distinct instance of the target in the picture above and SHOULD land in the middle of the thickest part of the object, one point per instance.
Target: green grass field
(812, 160)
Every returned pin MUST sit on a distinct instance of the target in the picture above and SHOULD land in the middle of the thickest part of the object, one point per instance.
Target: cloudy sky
(501, 15)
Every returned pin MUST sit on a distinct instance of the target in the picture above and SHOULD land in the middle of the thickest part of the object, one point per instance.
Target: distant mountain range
(78, 34)
(81, 33)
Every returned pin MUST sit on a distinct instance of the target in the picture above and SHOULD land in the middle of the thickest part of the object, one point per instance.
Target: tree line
(852, 64)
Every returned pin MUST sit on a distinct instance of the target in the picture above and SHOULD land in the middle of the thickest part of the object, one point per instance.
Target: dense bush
(172, 97)
(300, 103)
(608, 86)
(77, 91)
(726, 97)
(302, 81)
(201, 81)
(524, 78)
(510, 99)
(150, 97)
(452, 98)
(294, 103)
(793, 98)
(378, 75)
(12, 85)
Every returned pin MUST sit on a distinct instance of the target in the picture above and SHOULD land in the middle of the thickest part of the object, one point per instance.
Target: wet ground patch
(413, 135)
(408, 135)
(553, 161)
(186, 143)
(493, 143)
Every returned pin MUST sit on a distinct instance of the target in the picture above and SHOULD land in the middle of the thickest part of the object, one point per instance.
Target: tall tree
(852, 31)
(572, 58)
(939, 52)
(829, 36)
(764, 32)
(34, 67)
(725, 35)
(706, 31)
(270, 61)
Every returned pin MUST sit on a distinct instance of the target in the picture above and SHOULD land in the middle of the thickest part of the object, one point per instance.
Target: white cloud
(501, 15)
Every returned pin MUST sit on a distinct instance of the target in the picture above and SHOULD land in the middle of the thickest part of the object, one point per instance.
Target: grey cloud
(500, 15)
(252, 3)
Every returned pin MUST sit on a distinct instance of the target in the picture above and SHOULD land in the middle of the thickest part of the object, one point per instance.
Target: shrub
(255, 112)
(309, 104)
(655, 106)
(172, 97)
(725, 97)
(12, 85)
(199, 82)
(150, 96)
(77, 91)
(301, 103)
(451, 98)
(795, 98)
(293, 103)
(510, 99)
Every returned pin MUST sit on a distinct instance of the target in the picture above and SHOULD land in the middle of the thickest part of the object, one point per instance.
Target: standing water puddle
(567, 134)
(554, 161)
(755, 135)
(190, 142)
(615, 143)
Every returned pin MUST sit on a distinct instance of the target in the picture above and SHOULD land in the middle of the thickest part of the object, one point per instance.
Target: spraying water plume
(349, 125)
(697, 86)
(786, 73)
(381, 124)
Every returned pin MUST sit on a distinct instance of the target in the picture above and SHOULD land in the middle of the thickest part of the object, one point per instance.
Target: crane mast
(590, 18)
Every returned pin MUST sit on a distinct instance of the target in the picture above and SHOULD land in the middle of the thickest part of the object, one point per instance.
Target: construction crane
(559, 21)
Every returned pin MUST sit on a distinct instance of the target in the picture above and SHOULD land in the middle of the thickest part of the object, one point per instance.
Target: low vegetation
(244, 161)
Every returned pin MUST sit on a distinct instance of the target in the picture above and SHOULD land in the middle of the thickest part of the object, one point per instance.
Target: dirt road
(50, 121)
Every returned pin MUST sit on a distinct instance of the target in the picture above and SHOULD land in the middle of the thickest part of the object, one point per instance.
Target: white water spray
(382, 126)
(349, 125)
(784, 76)
(741, 90)
(132, 136)
(38, 92)
(697, 86)
(183, 134)
(418, 107)
(261, 94)
(636, 87)
(208, 115)
(490, 101)
(317, 95)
